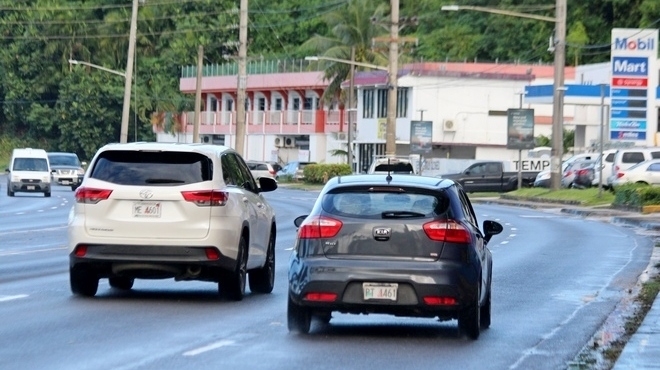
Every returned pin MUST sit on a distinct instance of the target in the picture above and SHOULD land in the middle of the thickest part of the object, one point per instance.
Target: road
(556, 279)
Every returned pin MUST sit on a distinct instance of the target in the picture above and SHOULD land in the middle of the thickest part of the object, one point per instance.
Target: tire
(298, 318)
(83, 283)
(469, 319)
(232, 287)
(74, 187)
(47, 194)
(263, 280)
(324, 318)
(484, 315)
(9, 192)
(122, 283)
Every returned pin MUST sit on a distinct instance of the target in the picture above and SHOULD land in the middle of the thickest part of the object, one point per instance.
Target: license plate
(380, 291)
(30, 187)
(65, 182)
(146, 209)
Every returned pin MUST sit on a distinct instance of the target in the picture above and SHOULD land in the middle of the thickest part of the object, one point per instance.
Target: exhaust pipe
(191, 272)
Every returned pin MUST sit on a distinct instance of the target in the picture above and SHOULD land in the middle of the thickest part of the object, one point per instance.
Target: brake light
(320, 297)
(619, 175)
(582, 172)
(568, 173)
(319, 227)
(272, 172)
(212, 254)
(440, 301)
(80, 251)
(91, 195)
(206, 198)
(450, 231)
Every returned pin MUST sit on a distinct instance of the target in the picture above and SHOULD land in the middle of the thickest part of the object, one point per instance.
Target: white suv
(182, 211)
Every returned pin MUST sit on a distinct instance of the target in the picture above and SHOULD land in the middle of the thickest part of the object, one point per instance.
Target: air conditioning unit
(342, 136)
(448, 125)
(279, 142)
(289, 142)
(206, 139)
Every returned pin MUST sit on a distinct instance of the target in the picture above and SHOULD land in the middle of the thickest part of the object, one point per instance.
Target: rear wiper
(163, 181)
(401, 214)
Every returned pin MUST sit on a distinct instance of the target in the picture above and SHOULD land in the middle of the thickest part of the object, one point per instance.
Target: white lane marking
(55, 207)
(538, 216)
(19, 252)
(512, 235)
(288, 249)
(505, 242)
(514, 228)
(41, 210)
(210, 347)
(20, 213)
(12, 297)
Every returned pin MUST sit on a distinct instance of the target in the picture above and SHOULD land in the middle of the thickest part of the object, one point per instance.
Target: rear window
(152, 168)
(257, 166)
(632, 157)
(369, 204)
(395, 168)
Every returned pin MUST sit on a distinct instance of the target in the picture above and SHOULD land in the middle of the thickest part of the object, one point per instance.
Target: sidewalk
(642, 351)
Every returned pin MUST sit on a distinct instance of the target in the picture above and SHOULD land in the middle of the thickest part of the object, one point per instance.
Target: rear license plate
(146, 209)
(65, 182)
(30, 187)
(380, 291)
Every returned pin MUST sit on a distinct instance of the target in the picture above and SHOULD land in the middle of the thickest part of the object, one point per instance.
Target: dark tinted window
(395, 168)
(632, 157)
(609, 158)
(152, 168)
(30, 164)
(63, 160)
(655, 155)
(368, 204)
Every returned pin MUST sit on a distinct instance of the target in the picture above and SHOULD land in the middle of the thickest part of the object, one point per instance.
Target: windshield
(30, 164)
(63, 160)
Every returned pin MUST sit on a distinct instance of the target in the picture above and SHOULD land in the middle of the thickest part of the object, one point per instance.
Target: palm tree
(349, 26)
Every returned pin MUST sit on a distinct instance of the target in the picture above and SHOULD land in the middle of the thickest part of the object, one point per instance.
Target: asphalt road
(556, 279)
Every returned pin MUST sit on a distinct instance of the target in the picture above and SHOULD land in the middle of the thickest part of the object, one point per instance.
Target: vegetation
(48, 102)
(585, 197)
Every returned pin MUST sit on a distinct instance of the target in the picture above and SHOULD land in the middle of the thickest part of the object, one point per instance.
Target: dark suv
(391, 244)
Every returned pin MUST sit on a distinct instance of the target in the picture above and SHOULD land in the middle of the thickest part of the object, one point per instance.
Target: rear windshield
(30, 164)
(64, 160)
(152, 168)
(383, 204)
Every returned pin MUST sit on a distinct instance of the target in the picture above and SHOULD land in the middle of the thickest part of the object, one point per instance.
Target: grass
(587, 197)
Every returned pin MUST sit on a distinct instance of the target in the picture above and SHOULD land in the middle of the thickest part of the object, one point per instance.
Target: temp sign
(630, 66)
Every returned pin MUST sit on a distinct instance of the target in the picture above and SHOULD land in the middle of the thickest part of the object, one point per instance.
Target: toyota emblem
(146, 194)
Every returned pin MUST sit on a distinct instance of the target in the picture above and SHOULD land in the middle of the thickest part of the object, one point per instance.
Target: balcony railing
(254, 67)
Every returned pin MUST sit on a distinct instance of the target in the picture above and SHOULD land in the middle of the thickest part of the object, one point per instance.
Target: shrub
(318, 173)
(636, 195)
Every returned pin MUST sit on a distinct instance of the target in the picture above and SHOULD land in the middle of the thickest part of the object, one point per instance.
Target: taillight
(212, 254)
(582, 172)
(272, 172)
(319, 227)
(440, 301)
(80, 251)
(320, 297)
(568, 173)
(449, 231)
(619, 175)
(91, 195)
(206, 198)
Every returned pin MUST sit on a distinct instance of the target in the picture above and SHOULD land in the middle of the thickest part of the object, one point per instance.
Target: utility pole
(390, 131)
(349, 134)
(128, 77)
(558, 96)
(198, 93)
(242, 78)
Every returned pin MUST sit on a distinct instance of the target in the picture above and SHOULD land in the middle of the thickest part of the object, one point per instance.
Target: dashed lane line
(12, 297)
(210, 347)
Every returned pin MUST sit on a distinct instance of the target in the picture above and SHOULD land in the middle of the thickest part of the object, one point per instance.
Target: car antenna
(389, 170)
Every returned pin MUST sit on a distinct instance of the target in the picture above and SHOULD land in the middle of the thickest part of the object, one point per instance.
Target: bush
(636, 195)
(318, 173)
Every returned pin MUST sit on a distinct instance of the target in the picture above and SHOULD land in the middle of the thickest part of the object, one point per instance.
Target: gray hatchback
(401, 245)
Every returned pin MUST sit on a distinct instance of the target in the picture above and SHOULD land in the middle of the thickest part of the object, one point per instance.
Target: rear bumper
(31, 187)
(415, 280)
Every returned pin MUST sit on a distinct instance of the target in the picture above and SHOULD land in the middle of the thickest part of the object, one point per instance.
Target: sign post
(421, 139)
(520, 133)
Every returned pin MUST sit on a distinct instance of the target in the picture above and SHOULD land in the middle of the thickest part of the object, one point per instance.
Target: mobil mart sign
(634, 76)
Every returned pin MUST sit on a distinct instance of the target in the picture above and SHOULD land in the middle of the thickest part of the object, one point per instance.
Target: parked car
(164, 210)
(490, 176)
(647, 173)
(584, 168)
(294, 170)
(28, 172)
(405, 246)
(542, 179)
(626, 158)
(401, 165)
(66, 169)
(261, 169)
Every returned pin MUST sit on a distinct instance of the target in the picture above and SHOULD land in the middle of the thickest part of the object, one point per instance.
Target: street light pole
(390, 131)
(558, 96)
(123, 137)
(72, 61)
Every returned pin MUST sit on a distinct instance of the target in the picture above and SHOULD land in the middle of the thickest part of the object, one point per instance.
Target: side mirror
(267, 184)
(299, 220)
(84, 163)
(7, 170)
(491, 228)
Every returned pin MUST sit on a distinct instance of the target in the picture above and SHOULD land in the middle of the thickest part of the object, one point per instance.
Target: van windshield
(30, 164)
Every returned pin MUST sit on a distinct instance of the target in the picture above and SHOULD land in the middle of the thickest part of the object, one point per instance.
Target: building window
(402, 102)
(309, 103)
(296, 103)
(368, 103)
(230, 105)
(381, 107)
(213, 104)
(262, 104)
(278, 104)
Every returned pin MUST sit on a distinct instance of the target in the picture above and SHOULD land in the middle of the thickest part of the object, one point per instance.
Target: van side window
(632, 157)
(655, 155)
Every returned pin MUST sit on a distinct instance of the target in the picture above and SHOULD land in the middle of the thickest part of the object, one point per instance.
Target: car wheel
(9, 192)
(469, 319)
(47, 194)
(324, 318)
(120, 282)
(83, 282)
(232, 287)
(298, 318)
(263, 280)
(484, 315)
(74, 187)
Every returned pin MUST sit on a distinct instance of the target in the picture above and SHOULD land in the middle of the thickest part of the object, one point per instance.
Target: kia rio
(402, 245)
(167, 210)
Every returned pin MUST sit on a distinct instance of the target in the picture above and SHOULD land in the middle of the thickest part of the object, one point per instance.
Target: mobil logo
(632, 44)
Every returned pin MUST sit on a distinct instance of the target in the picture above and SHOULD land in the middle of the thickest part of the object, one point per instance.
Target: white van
(29, 171)
(626, 158)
